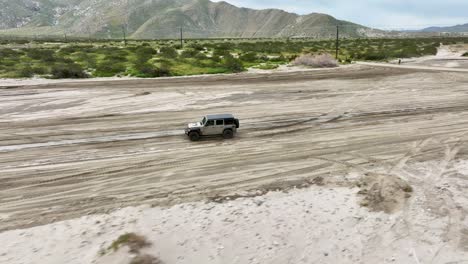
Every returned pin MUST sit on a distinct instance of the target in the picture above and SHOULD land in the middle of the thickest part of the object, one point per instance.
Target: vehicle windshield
(203, 121)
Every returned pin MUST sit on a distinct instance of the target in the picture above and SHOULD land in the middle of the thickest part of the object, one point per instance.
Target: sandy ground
(314, 225)
(446, 57)
(70, 150)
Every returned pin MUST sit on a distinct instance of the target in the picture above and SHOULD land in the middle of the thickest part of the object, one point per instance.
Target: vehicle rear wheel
(194, 136)
(227, 134)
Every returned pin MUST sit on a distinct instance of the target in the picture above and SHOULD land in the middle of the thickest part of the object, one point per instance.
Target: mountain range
(453, 29)
(148, 19)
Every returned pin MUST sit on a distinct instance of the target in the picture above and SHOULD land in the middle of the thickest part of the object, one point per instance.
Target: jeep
(213, 125)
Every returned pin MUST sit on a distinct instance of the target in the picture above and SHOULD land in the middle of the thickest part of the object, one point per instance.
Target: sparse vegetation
(66, 71)
(465, 54)
(145, 259)
(133, 241)
(22, 59)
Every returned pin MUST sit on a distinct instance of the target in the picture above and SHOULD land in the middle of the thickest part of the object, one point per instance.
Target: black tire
(228, 134)
(194, 136)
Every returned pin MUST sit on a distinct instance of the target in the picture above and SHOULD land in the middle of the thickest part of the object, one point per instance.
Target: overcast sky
(386, 14)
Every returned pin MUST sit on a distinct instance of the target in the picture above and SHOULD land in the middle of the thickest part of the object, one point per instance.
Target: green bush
(196, 46)
(201, 56)
(147, 71)
(168, 52)
(221, 52)
(26, 72)
(40, 70)
(143, 54)
(372, 56)
(70, 49)
(109, 68)
(189, 53)
(216, 59)
(233, 64)
(8, 53)
(249, 57)
(465, 54)
(86, 59)
(67, 71)
(45, 55)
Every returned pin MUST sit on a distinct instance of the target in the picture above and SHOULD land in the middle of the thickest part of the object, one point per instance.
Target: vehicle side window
(229, 122)
(220, 122)
(210, 123)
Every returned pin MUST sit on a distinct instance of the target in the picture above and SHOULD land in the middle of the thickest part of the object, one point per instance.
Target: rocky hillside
(162, 19)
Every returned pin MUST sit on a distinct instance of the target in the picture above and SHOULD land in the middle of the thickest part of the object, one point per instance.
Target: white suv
(212, 125)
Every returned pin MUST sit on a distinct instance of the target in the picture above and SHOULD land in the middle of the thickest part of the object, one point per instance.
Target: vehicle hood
(195, 125)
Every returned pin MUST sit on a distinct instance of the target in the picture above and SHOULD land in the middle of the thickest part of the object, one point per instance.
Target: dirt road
(72, 149)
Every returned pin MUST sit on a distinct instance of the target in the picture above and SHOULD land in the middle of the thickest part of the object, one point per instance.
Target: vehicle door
(209, 128)
(219, 126)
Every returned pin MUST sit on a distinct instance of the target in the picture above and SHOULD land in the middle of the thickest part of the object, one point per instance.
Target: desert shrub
(64, 60)
(196, 46)
(249, 56)
(69, 49)
(189, 53)
(216, 59)
(233, 64)
(316, 61)
(372, 56)
(9, 63)
(221, 52)
(109, 68)
(168, 52)
(86, 59)
(112, 65)
(147, 70)
(143, 54)
(45, 55)
(8, 53)
(40, 70)
(26, 72)
(113, 54)
(67, 71)
(201, 56)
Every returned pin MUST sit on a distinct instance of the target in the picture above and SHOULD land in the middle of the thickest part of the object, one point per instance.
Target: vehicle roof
(220, 116)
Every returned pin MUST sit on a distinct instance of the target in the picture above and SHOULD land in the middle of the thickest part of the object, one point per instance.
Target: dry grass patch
(133, 241)
(386, 193)
(316, 61)
(146, 259)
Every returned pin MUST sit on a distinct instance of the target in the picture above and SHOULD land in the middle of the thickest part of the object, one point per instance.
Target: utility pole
(181, 38)
(124, 35)
(89, 33)
(337, 41)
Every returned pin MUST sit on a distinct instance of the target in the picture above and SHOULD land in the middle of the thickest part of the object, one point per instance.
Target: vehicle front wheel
(228, 134)
(194, 136)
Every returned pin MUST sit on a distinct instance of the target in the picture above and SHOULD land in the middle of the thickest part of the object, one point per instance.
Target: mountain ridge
(147, 19)
(451, 29)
